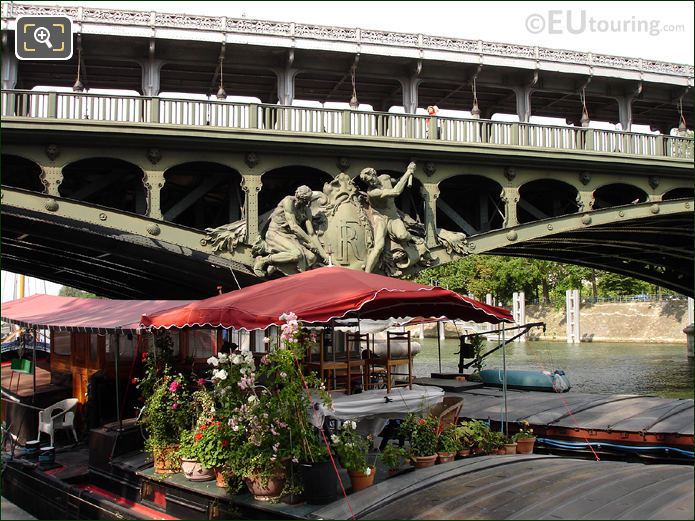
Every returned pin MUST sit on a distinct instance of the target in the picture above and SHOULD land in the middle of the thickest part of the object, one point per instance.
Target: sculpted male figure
(387, 221)
(291, 238)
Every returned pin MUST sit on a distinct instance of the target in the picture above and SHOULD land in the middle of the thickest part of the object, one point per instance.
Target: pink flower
(265, 360)
(174, 405)
(173, 386)
(201, 381)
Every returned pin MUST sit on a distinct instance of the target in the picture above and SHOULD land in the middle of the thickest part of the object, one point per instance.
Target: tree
(67, 291)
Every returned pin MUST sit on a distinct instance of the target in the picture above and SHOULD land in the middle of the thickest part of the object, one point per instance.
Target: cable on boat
(325, 440)
(569, 411)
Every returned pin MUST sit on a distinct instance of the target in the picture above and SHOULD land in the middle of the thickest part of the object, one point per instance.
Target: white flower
(223, 357)
(354, 425)
(368, 471)
(213, 361)
(335, 438)
(266, 340)
(252, 398)
(221, 374)
(236, 359)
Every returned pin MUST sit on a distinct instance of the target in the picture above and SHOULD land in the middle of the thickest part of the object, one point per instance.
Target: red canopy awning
(82, 314)
(319, 295)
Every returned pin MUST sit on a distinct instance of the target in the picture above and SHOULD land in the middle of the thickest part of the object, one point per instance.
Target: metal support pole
(439, 348)
(116, 357)
(505, 428)
(33, 367)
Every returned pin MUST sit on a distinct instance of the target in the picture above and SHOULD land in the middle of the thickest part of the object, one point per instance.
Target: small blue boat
(556, 381)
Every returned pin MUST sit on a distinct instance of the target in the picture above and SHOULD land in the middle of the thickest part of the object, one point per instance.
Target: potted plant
(509, 445)
(465, 439)
(525, 439)
(211, 445)
(498, 440)
(422, 435)
(447, 443)
(352, 449)
(166, 414)
(393, 457)
(192, 469)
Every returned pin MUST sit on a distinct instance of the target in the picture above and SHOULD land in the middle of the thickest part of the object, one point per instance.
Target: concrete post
(422, 331)
(440, 330)
(51, 177)
(410, 96)
(154, 181)
(251, 184)
(690, 330)
(625, 112)
(488, 300)
(572, 316)
(519, 311)
(151, 70)
(285, 86)
(523, 103)
(10, 68)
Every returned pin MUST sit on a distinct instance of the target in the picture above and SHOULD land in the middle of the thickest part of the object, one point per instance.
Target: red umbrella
(320, 295)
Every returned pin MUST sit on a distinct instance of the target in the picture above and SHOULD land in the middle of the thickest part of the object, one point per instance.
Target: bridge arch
(282, 181)
(20, 172)
(679, 193)
(201, 194)
(618, 194)
(470, 203)
(105, 181)
(545, 198)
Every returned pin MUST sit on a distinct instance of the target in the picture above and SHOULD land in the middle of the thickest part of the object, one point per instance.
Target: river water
(608, 368)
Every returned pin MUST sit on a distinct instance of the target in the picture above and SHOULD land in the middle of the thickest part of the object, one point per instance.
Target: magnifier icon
(43, 35)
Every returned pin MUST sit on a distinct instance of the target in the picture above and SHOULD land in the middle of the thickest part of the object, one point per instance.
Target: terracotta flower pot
(446, 457)
(393, 472)
(361, 480)
(166, 461)
(422, 462)
(478, 451)
(221, 477)
(194, 471)
(501, 451)
(266, 492)
(464, 453)
(525, 445)
(510, 448)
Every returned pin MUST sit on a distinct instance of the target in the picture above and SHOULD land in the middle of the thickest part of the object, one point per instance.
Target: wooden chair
(391, 361)
(327, 362)
(355, 344)
(448, 410)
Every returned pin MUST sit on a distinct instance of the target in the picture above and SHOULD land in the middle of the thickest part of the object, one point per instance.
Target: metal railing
(304, 120)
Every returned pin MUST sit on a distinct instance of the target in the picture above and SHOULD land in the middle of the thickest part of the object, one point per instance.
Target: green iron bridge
(112, 193)
(117, 202)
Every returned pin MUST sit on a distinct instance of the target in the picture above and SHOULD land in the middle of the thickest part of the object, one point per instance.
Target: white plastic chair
(58, 416)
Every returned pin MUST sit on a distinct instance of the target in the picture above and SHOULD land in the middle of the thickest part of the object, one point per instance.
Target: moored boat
(556, 381)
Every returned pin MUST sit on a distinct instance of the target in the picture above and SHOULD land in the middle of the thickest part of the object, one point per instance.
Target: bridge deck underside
(657, 249)
(111, 265)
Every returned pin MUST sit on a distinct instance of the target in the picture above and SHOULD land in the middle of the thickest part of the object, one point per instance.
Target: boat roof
(611, 412)
(91, 315)
(526, 487)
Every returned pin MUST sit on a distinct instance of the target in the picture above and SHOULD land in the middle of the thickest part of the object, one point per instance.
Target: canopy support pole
(116, 357)
(505, 428)
(439, 347)
(33, 367)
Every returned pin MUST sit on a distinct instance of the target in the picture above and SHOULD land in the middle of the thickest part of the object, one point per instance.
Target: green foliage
(186, 448)
(351, 447)
(212, 443)
(422, 433)
(67, 291)
(477, 434)
(448, 440)
(393, 456)
(542, 280)
(167, 411)
(525, 432)
(478, 361)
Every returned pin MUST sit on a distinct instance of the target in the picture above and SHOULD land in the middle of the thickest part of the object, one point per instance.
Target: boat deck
(608, 412)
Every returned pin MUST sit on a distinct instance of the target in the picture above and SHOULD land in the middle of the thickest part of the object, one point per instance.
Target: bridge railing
(311, 120)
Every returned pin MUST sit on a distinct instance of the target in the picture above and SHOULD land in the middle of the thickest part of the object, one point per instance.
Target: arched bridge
(113, 193)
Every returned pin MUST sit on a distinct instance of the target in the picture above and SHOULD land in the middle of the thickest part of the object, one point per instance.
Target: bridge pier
(430, 192)
(51, 177)
(154, 181)
(510, 198)
(572, 316)
(251, 184)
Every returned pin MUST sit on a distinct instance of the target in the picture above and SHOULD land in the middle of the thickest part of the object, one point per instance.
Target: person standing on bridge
(387, 221)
